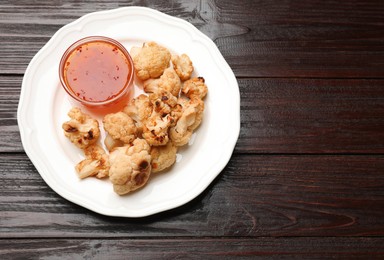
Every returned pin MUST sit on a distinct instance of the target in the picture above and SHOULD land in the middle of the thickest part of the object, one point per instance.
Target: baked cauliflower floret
(163, 157)
(183, 66)
(195, 88)
(190, 118)
(111, 143)
(121, 170)
(81, 130)
(150, 61)
(152, 116)
(198, 105)
(130, 166)
(180, 134)
(162, 102)
(169, 82)
(138, 146)
(139, 109)
(95, 164)
(116, 152)
(155, 130)
(120, 127)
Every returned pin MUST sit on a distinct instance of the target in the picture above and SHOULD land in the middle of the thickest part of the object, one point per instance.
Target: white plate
(44, 105)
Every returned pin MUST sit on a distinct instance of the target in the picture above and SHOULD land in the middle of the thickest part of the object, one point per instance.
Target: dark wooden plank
(303, 248)
(9, 99)
(254, 196)
(311, 116)
(277, 116)
(258, 39)
(304, 38)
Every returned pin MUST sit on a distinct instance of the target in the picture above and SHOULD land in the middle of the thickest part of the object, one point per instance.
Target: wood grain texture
(208, 248)
(306, 177)
(258, 38)
(311, 116)
(277, 116)
(254, 196)
(9, 99)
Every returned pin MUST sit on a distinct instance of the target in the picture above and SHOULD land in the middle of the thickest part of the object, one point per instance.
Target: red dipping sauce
(96, 71)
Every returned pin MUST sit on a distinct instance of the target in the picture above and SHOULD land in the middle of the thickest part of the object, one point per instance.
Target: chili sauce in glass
(96, 71)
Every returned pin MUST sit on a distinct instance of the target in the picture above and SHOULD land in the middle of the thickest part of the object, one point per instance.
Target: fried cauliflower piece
(163, 157)
(151, 60)
(162, 102)
(95, 164)
(155, 128)
(183, 66)
(139, 109)
(198, 105)
(190, 118)
(130, 166)
(81, 130)
(195, 88)
(169, 82)
(180, 134)
(120, 127)
(111, 143)
(151, 116)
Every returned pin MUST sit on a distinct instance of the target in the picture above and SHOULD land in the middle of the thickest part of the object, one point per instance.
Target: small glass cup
(124, 91)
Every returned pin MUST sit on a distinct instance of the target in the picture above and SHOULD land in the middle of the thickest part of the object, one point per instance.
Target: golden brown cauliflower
(190, 118)
(130, 166)
(150, 61)
(198, 105)
(120, 127)
(111, 143)
(155, 130)
(169, 82)
(81, 130)
(95, 164)
(162, 102)
(163, 157)
(195, 88)
(152, 116)
(180, 134)
(183, 66)
(139, 109)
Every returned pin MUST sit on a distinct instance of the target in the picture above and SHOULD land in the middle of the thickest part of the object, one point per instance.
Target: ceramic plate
(44, 105)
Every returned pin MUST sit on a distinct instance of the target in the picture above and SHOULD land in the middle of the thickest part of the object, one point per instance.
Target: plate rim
(26, 131)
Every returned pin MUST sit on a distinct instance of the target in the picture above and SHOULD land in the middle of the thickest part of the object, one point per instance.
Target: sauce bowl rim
(89, 39)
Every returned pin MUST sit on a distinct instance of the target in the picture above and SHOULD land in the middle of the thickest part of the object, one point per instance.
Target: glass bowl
(97, 72)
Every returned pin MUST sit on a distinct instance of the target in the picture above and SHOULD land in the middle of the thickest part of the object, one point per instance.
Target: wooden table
(307, 175)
